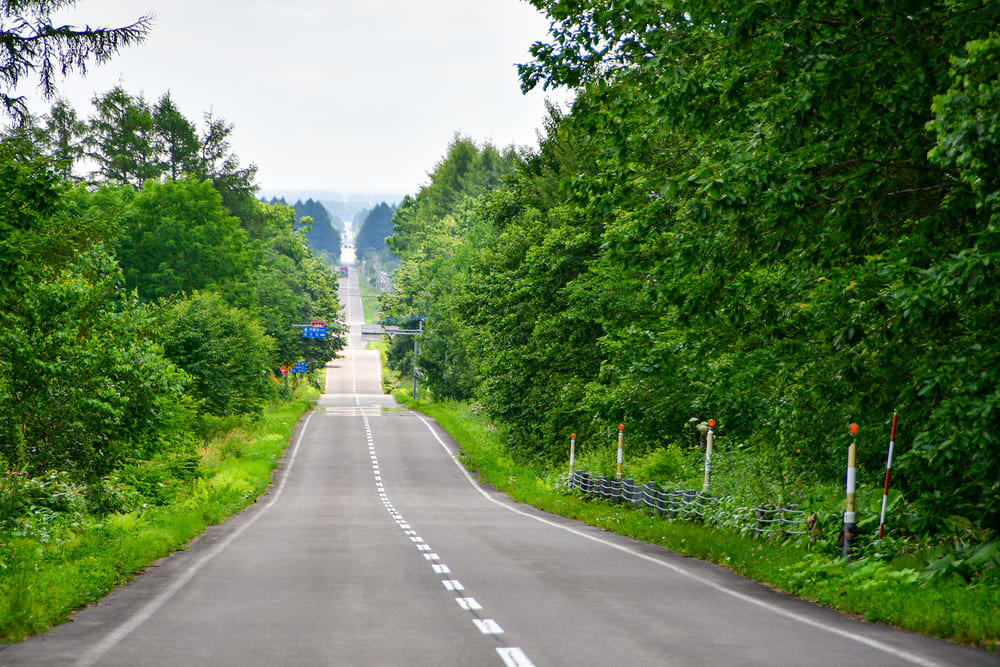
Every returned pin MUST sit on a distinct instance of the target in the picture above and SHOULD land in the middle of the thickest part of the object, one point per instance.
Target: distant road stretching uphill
(375, 548)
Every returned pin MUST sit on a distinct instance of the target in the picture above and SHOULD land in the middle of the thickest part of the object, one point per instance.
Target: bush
(668, 466)
(224, 350)
(36, 505)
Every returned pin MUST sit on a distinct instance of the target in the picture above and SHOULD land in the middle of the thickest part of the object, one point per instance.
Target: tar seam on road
(512, 656)
(92, 656)
(861, 639)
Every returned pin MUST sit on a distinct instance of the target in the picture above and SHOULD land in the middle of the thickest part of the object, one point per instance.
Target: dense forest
(370, 242)
(143, 300)
(783, 216)
(322, 231)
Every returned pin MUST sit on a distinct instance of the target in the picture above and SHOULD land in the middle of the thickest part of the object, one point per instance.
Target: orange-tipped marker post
(621, 443)
(850, 518)
(572, 452)
(709, 440)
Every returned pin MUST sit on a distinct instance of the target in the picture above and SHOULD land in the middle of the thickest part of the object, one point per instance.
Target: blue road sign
(314, 332)
(299, 367)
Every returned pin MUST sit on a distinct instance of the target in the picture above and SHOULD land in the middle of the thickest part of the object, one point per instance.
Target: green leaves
(436, 236)
(83, 388)
(92, 378)
(224, 350)
(967, 120)
(179, 237)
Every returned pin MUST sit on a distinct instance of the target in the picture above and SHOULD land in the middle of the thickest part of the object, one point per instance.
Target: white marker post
(888, 469)
(572, 452)
(709, 439)
(850, 519)
(621, 442)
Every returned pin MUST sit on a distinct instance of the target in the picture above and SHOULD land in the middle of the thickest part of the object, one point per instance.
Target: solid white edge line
(861, 639)
(95, 653)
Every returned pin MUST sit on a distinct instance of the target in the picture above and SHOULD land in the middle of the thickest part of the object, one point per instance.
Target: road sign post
(392, 331)
(416, 351)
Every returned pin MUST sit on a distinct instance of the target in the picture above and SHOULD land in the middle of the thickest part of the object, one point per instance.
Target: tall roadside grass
(44, 577)
(894, 593)
(369, 301)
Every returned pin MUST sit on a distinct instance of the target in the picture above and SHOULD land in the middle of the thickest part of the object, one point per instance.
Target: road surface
(374, 547)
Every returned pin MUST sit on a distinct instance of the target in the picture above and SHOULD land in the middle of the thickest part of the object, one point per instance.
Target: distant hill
(325, 237)
(343, 207)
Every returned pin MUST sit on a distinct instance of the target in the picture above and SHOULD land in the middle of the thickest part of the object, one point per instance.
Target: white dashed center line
(488, 626)
(512, 656)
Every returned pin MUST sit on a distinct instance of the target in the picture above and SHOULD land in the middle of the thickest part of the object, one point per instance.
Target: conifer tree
(32, 46)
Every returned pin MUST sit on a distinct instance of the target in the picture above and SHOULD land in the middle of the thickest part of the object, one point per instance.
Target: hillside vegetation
(140, 320)
(782, 216)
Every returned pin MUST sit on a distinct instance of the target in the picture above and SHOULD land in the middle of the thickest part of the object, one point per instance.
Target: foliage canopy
(781, 215)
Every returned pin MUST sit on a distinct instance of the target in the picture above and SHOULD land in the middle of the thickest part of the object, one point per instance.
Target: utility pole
(416, 370)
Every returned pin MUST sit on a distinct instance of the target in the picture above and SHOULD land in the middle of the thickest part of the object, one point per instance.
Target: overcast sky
(339, 95)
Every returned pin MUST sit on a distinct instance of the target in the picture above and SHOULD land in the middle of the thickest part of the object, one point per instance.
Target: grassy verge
(369, 301)
(43, 579)
(950, 608)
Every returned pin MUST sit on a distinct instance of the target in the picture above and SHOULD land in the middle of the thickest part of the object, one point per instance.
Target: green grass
(369, 301)
(949, 608)
(43, 580)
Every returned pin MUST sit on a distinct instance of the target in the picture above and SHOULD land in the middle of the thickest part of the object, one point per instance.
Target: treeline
(322, 234)
(370, 242)
(782, 216)
(144, 302)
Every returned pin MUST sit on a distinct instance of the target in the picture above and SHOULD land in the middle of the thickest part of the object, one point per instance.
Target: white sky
(342, 95)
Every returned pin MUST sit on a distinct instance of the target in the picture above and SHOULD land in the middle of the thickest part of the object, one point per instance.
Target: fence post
(850, 519)
(572, 451)
(709, 439)
(621, 441)
(649, 495)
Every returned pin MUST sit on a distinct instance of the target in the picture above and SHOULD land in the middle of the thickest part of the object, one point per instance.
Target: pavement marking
(469, 604)
(488, 626)
(846, 634)
(113, 638)
(512, 656)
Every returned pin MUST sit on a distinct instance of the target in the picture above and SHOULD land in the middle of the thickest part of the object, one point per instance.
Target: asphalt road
(374, 547)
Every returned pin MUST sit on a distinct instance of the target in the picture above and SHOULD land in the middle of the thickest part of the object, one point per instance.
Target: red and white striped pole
(850, 519)
(621, 441)
(888, 469)
(572, 452)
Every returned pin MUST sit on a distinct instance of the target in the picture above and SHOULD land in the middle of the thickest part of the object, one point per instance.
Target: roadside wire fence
(695, 506)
